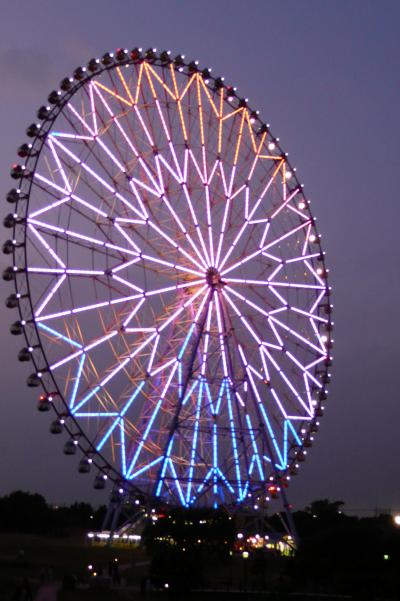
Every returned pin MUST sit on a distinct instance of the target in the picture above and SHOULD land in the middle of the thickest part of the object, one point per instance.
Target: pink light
(146, 131)
(162, 367)
(78, 116)
(222, 232)
(92, 105)
(153, 353)
(135, 330)
(301, 258)
(213, 171)
(173, 288)
(88, 307)
(311, 315)
(196, 223)
(100, 340)
(60, 167)
(50, 295)
(125, 265)
(127, 237)
(65, 360)
(146, 187)
(288, 382)
(206, 338)
(115, 371)
(284, 204)
(139, 199)
(50, 183)
(196, 167)
(182, 308)
(167, 135)
(46, 246)
(176, 176)
(247, 301)
(209, 224)
(221, 336)
(296, 334)
(50, 206)
(133, 313)
(126, 283)
(303, 369)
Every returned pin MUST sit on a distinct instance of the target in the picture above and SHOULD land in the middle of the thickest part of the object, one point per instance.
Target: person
(116, 578)
(27, 591)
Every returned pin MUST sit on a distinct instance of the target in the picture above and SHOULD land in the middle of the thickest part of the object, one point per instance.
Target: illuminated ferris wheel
(170, 283)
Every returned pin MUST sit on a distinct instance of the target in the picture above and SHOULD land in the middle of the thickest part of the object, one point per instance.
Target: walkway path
(47, 592)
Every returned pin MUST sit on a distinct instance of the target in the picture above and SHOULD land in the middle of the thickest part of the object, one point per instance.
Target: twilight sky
(325, 75)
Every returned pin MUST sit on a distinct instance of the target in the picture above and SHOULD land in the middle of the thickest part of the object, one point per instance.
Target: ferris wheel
(170, 283)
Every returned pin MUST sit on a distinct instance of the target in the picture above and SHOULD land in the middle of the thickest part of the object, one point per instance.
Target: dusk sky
(325, 75)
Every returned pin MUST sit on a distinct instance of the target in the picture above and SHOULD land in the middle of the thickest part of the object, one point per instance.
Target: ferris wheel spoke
(151, 421)
(262, 411)
(251, 214)
(67, 198)
(84, 349)
(60, 167)
(320, 350)
(263, 248)
(96, 177)
(183, 229)
(287, 381)
(91, 307)
(230, 290)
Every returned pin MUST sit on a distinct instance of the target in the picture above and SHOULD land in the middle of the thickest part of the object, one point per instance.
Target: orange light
(139, 81)
(208, 95)
(200, 112)
(127, 90)
(221, 109)
(100, 85)
(179, 102)
(191, 80)
(167, 89)
(239, 137)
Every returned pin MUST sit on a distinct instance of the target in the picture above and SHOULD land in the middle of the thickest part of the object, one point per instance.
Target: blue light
(95, 414)
(185, 342)
(85, 399)
(233, 436)
(133, 397)
(146, 467)
(226, 482)
(215, 457)
(164, 468)
(123, 448)
(296, 436)
(57, 334)
(272, 435)
(194, 440)
(77, 380)
(144, 437)
(108, 433)
(177, 483)
(253, 441)
(188, 395)
(224, 384)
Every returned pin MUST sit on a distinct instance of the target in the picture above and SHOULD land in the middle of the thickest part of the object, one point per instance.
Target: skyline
(328, 127)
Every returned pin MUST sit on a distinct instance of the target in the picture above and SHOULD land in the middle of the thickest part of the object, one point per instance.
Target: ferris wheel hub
(213, 278)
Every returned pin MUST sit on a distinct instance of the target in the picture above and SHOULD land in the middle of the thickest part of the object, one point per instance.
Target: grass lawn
(63, 556)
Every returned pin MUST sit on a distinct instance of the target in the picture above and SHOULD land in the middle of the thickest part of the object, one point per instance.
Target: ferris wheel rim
(98, 458)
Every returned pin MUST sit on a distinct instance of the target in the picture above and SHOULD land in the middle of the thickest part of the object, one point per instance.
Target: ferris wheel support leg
(188, 376)
(290, 525)
(290, 521)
